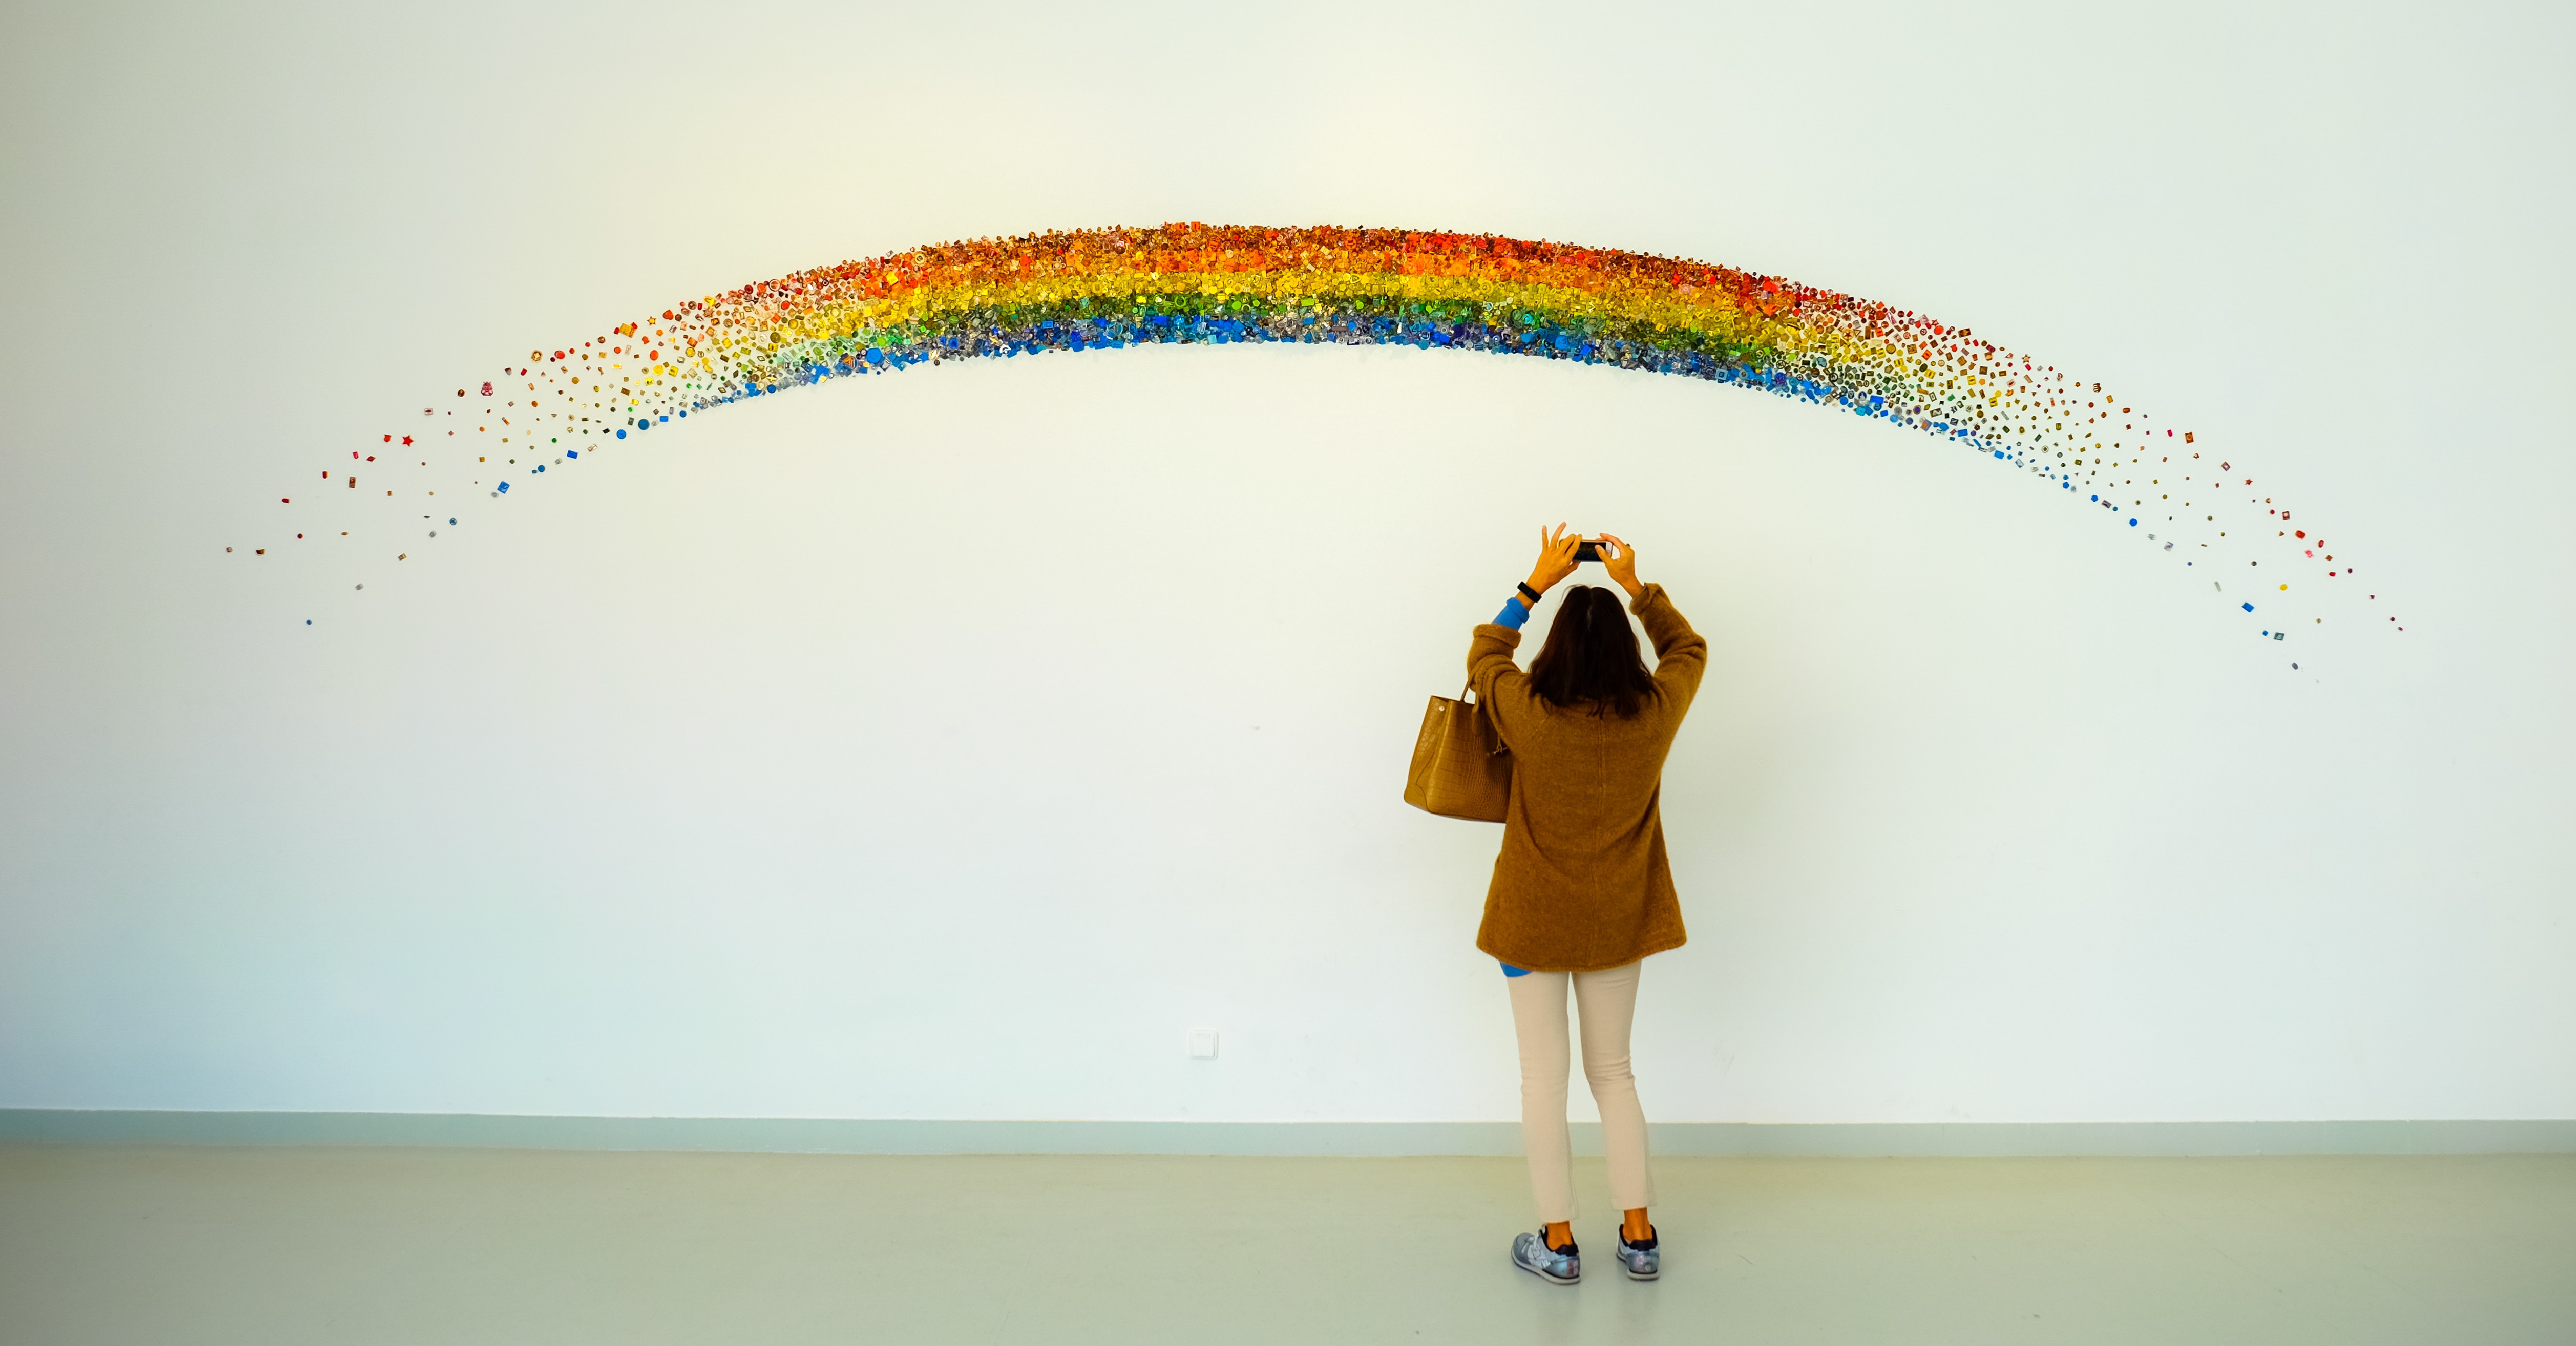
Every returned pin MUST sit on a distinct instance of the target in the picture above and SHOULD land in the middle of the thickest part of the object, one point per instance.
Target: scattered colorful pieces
(1220, 284)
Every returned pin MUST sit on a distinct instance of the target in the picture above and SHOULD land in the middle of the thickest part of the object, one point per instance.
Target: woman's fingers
(1558, 548)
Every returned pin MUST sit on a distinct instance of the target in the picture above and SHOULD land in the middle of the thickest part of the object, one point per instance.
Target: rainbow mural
(1108, 289)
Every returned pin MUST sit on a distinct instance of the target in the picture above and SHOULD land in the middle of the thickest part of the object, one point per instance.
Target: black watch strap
(1529, 593)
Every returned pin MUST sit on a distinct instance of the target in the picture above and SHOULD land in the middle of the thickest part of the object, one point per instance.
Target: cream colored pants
(1608, 1002)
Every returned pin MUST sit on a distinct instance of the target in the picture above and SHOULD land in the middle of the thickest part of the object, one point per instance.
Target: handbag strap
(1492, 730)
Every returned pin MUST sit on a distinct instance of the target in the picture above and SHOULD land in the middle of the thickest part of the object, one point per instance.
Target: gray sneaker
(1642, 1261)
(1531, 1254)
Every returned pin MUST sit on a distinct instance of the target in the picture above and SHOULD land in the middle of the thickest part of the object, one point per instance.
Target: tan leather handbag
(1460, 767)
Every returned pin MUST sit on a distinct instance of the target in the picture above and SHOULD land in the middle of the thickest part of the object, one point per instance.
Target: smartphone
(1589, 551)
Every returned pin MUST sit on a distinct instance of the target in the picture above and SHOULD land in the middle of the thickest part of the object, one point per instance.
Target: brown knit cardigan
(1582, 883)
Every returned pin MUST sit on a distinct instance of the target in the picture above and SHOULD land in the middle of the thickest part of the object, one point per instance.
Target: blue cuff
(1512, 615)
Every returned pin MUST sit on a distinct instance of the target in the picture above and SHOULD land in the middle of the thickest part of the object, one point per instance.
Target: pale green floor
(275, 1246)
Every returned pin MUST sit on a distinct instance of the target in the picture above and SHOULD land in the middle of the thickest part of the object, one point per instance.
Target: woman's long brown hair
(1591, 655)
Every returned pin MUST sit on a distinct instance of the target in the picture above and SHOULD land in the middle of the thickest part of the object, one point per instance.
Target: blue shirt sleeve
(1513, 614)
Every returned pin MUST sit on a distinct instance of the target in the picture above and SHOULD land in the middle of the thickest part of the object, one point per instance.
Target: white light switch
(1203, 1043)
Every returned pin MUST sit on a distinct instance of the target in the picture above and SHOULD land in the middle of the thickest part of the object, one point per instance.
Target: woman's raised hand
(1621, 563)
(1555, 557)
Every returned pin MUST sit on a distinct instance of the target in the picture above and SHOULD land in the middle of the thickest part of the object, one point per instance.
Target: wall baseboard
(1355, 1139)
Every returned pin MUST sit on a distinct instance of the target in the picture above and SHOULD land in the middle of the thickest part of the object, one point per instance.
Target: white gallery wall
(947, 745)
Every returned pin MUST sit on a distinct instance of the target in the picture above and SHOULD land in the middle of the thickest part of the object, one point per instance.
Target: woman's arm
(1556, 553)
(1622, 565)
(1681, 654)
(1555, 561)
(1490, 666)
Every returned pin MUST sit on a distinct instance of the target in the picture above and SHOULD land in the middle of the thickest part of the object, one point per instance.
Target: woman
(1581, 891)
